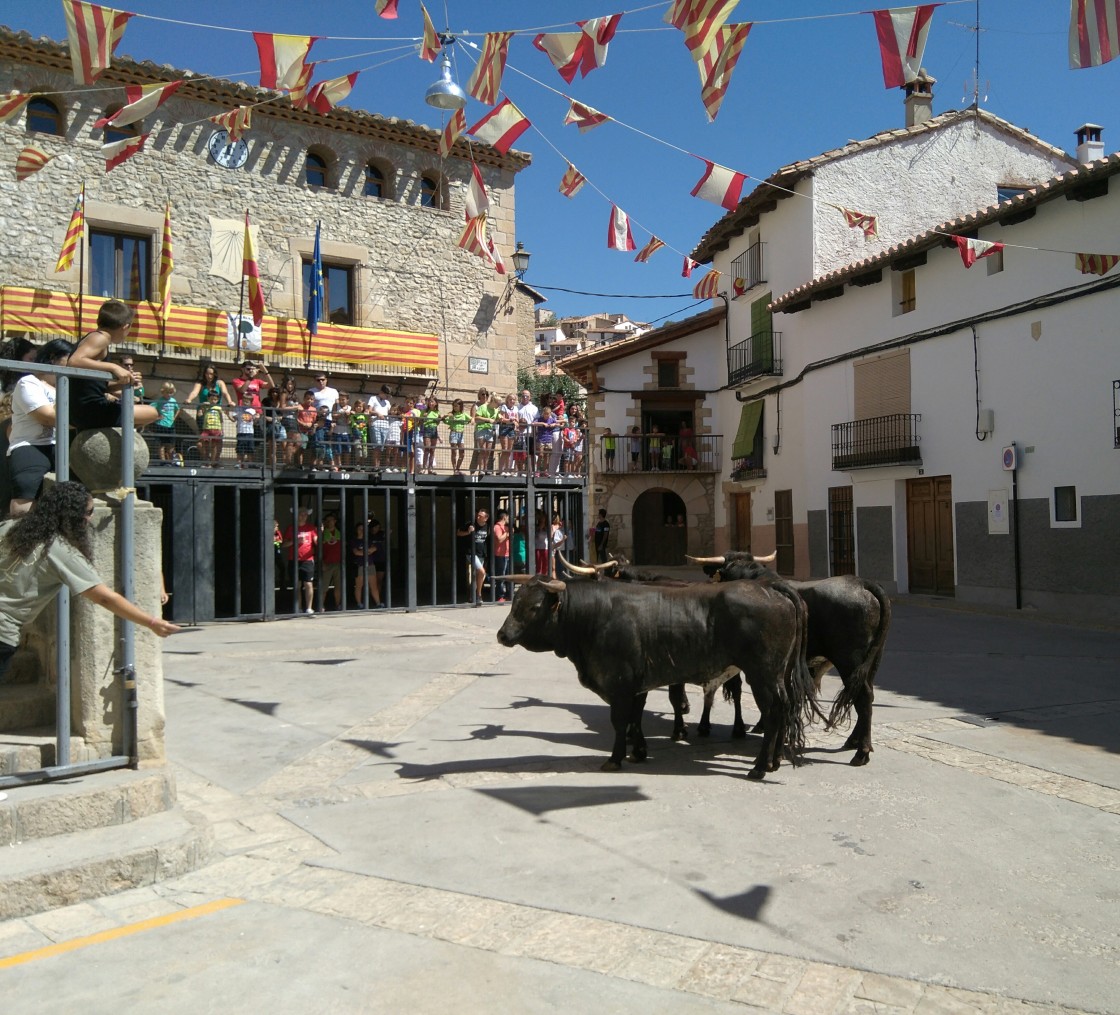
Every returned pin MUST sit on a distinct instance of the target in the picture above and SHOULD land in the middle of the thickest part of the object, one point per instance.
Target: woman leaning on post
(45, 549)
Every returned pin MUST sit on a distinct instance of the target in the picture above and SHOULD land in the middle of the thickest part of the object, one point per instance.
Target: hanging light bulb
(445, 93)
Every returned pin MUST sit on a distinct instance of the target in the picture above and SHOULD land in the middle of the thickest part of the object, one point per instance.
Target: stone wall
(409, 274)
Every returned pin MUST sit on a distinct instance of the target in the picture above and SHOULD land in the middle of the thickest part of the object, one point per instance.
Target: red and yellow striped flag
(94, 33)
(251, 270)
(649, 250)
(455, 126)
(12, 104)
(1096, 264)
(486, 81)
(166, 263)
(700, 20)
(29, 161)
(718, 62)
(75, 233)
(236, 122)
(430, 46)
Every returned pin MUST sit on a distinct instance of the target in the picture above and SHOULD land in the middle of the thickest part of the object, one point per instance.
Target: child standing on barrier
(168, 409)
(210, 436)
(245, 418)
(457, 420)
(359, 433)
(341, 442)
(429, 428)
(322, 453)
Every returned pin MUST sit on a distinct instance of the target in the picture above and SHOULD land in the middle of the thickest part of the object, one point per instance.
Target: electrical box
(986, 422)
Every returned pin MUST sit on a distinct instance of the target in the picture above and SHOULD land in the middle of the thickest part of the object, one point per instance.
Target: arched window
(44, 117)
(114, 132)
(375, 185)
(431, 192)
(315, 170)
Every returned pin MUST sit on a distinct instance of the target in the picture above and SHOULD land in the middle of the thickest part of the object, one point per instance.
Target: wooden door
(740, 512)
(929, 535)
(783, 530)
(841, 531)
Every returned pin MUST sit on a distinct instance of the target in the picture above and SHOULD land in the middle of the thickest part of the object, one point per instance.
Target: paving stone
(71, 922)
(822, 990)
(889, 990)
(661, 960)
(580, 942)
(763, 992)
(718, 971)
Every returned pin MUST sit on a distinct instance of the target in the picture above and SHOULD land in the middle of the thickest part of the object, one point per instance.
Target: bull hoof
(739, 733)
(703, 731)
(860, 758)
(757, 728)
(636, 759)
(679, 735)
(756, 775)
(851, 744)
(610, 766)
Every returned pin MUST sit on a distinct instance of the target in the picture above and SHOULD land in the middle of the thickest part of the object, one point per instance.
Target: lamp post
(445, 93)
(520, 260)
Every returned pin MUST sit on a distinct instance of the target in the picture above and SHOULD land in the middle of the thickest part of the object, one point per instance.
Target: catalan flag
(251, 270)
(94, 33)
(455, 126)
(236, 122)
(430, 45)
(166, 263)
(1094, 32)
(572, 181)
(708, 287)
(30, 161)
(700, 20)
(476, 240)
(486, 81)
(75, 233)
(1096, 264)
(649, 250)
(11, 105)
(717, 64)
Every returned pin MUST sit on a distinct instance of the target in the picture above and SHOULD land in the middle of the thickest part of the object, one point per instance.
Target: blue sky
(800, 88)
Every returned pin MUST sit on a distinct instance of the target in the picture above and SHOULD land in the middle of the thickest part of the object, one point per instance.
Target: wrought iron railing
(881, 440)
(758, 356)
(748, 267)
(632, 453)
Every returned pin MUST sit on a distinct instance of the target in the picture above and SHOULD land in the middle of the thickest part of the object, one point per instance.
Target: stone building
(404, 302)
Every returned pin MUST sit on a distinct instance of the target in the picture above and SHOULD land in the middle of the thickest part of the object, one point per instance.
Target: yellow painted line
(118, 932)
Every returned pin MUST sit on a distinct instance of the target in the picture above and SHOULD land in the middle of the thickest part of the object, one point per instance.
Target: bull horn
(767, 560)
(518, 579)
(575, 568)
(706, 560)
(555, 585)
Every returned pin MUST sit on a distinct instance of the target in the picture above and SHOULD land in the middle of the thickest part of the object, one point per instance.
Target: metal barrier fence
(126, 655)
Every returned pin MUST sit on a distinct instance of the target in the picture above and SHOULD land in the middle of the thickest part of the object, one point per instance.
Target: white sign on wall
(998, 522)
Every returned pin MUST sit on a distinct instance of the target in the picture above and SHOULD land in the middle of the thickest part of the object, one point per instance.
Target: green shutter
(748, 427)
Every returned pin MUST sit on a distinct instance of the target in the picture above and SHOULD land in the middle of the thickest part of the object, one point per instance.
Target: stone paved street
(410, 817)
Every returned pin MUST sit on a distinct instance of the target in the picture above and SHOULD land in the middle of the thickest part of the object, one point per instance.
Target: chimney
(1090, 147)
(919, 98)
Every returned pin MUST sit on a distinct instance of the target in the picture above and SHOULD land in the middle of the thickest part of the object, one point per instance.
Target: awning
(41, 311)
(748, 427)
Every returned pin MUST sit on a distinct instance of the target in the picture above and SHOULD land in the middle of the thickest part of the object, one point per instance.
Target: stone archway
(660, 526)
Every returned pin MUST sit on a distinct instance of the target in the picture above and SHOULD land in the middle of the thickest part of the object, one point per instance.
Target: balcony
(758, 356)
(646, 453)
(873, 443)
(747, 269)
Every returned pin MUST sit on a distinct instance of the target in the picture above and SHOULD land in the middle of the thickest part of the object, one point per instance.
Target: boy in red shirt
(306, 539)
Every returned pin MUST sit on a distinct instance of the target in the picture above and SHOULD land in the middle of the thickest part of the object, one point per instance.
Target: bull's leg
(765, 762)
(679, 700)
(620, 721)
(705, 727)
(638, 744)
(733, 689)
(860, 739)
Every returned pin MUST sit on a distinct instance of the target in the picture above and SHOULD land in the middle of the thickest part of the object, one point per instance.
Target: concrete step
(90, 801)
(27, 752)
(25, 706)
(43, 874)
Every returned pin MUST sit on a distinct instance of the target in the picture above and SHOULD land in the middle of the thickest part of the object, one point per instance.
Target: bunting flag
(619, 236)
(386, 8)
(572, 181)
(1094, 32)
(11, 105)
(717, 64)
(739, 287)
(236, 122)
(720, 185)
(430, 44)
(487, 77)
(282, 58)
(166, 263)
(689, 264)
(503, 125)
(317, 296)
(584, 117)
(579, 52)
(299, 88)
(140, 101)
(325, 95)
(902, 41)
(121, 151)
(972, 250)
(75, 233)
(30, 161)
(649, 250)
(251, 271)
(94, 33)
(861, 220)
(708, 287)
(476, 241)
(1096, 264)
(455, 126)
(700, 20)
(477, 202)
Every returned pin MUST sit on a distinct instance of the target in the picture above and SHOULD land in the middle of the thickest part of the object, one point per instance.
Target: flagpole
(81, 265)
(241, 308)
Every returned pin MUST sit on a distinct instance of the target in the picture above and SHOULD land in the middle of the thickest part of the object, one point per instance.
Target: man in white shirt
(324, 394)
(379, 407)
(527, 412)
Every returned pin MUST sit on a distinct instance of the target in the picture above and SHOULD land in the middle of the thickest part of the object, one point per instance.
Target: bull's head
(531, 619)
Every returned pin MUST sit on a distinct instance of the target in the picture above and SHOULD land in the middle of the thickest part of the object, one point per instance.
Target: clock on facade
(227, 153)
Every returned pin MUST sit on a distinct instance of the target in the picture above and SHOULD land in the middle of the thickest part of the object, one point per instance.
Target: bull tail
(800, 702)
(863, 676)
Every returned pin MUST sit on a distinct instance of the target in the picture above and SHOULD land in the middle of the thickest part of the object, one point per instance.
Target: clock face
(227, 153)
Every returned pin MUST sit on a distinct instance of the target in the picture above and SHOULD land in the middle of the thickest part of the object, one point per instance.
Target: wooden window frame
(122, 272)
(35, 110)
(331, 270)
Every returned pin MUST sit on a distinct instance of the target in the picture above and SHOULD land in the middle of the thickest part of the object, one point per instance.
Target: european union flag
(315, 299)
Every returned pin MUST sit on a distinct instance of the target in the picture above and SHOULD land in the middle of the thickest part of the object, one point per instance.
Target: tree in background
(554, 383)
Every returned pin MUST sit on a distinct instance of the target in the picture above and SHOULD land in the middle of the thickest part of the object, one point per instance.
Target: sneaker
(501, 599)
(310, 612)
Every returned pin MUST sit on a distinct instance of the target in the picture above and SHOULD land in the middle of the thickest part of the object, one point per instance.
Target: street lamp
(445, 93)
(521, 260)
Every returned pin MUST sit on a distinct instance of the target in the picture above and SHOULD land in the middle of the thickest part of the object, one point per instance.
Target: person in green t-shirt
(430, 419)
(485, 417)
(46, 549)
(359, 432)
(457, 420)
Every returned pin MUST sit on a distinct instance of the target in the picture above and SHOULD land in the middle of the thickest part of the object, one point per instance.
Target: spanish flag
(251, 270)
